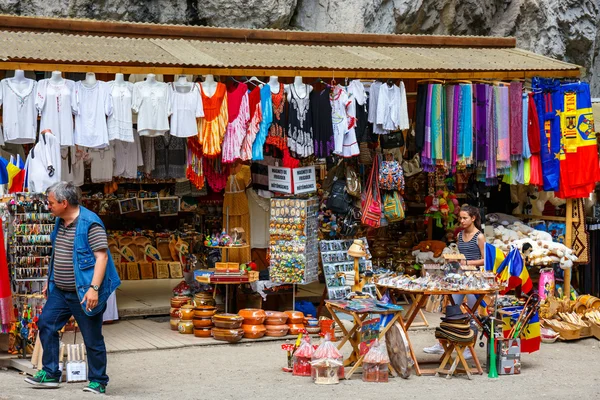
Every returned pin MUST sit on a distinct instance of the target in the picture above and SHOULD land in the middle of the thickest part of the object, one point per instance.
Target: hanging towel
(516, 119)
(420, 118)
(491, 177)
(466, 124)
(502, 119)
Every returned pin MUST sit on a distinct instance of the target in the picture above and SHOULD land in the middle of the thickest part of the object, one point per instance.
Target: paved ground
(253, 371)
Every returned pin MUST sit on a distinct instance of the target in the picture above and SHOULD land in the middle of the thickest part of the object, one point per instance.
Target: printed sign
(280, 179)
(305, 180)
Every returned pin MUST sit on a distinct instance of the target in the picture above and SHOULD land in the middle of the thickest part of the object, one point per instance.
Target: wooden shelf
(543, 217)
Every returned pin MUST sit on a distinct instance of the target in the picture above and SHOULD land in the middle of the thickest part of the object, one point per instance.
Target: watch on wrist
(95, 287)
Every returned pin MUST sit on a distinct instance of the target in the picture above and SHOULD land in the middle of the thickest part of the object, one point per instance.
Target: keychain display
(294, 255)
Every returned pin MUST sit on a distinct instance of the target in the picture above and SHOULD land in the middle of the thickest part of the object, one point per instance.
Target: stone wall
(563, 29)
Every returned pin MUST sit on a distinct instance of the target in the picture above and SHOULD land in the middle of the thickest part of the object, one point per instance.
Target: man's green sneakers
(42, 381)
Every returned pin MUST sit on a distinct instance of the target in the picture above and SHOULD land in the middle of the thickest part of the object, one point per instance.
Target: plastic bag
(327, 350)
(302, 358)
(375, 364)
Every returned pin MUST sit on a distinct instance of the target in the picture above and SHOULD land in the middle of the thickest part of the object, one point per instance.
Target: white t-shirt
(128, 157)
(92, 105)
(392, 108)
(152, 103)
(120, 122)
(55, 103)
(186, 107)
(101, 164)
(19, 115)
(43, 165)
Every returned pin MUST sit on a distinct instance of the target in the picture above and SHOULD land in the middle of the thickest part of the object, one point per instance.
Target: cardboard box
(76, 371)
(509, 356)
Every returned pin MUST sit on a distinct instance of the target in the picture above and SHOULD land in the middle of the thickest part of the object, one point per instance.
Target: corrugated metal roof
(65, 48)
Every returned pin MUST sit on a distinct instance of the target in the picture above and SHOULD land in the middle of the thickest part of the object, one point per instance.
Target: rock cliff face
(564, 29)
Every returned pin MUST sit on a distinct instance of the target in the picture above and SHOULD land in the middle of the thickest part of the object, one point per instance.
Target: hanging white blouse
(186, 107)
(92, 106)
(343, 116)
(128, 157)
(392, 108)
(152, 103)
(19, 115)
(120, 122)
(43, 165)
(56, 103)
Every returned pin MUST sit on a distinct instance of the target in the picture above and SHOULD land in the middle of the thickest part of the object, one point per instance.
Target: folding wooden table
(352, 336)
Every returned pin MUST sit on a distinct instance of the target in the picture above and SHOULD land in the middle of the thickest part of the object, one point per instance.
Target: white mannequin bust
(209, 85)
(90, 80)
(182, 85)
(119, 79)
(301, 89)
(151, 79)
(20, 81)
(56, 78)
(274, 84)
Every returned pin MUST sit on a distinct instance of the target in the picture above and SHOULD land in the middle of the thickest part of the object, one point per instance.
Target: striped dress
(470, 249)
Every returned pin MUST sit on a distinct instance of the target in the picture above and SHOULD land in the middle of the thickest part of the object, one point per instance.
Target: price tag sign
(280, 179)
(305, 180)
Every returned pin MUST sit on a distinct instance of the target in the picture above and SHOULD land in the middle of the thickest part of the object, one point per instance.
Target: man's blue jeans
(56, 313)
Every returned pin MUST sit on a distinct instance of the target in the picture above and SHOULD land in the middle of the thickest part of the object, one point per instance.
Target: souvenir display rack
(293, 236)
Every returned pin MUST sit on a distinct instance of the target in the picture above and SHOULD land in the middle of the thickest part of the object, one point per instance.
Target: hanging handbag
(352, 182)
(392, 140)
(391, 176)
(339, 200)
(393, 207)
(371, 205)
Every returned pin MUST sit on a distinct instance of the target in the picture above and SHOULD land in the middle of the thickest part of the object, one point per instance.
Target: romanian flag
(530, 334)
(493, 258)
(16, 175)
(514, 271)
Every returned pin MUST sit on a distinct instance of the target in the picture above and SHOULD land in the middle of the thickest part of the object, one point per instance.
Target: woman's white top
(19, 116)
(92, 106)
(56, 103)
(152, 103)
(43, 165)
(392, 107)
(186, 107)
(120, 122)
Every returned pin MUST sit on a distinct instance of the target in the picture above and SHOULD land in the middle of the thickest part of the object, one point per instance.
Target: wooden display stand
(458, 348)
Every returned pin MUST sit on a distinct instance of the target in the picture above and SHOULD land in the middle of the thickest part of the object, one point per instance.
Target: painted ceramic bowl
(227, 321)
(178, 301)
(275, 318)
(186, 327)
(203, 313)
(295, 317)
(228, 335)
(253, 316)
(276, 330)
(174, 312)
(295, 328)
(186, 312)
(254, 331)
(202, 323)
(174, 324)
(203, 332)
(313, 330)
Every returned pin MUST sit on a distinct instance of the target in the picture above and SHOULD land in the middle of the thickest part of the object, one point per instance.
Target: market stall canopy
(76, 45)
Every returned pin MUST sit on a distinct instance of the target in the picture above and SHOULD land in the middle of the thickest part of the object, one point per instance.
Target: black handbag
(392, 140)
(339, 200)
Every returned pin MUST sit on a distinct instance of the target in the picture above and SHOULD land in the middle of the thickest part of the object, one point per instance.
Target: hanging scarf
(546, 94)
(491, 177)
(481, 126)
(426, 163)
(465, 128)
(523, 159)
(502, 124)
(215, 173)
(516, 119)
(449, 124)
(437, 126)
(456, 113)
(194, 163)
(6, 304)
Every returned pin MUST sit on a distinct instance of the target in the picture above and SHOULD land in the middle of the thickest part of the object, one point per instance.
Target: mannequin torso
(209, 85)
(57, 78)
(182, 85)
(90, 80)
(301, 89)
(119, 80)
(274, 84)
(151, 79)
(19, 82)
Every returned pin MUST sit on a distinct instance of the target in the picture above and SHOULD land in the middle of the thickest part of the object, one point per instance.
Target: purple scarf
(516, 120)
(491, 177)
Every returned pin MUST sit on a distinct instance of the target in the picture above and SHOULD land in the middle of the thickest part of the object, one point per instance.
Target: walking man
(81, 277)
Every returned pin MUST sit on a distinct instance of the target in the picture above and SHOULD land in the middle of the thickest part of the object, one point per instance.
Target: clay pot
(253, 316)
(254, 331)
(227, 321)
(295, 317)
(186, 327)
(275, 318)
(276, 330)
(406, 242)
(311, 322)
(295, 328)
(380, 252)
(313, 330)
(202, 323)
(203, 332)
(178, 301)
(186, 312)
(174, 322)
(228, 335)
(203, 313)
(174, 312)
(410, 271)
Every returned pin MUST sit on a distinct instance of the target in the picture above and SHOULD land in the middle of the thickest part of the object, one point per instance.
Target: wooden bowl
(276, 330)
(275, 318)
(203, 332)
(295, 328)
(228, 335)
(254, 331)
(253, 316)
(295, 317)
(202, 323)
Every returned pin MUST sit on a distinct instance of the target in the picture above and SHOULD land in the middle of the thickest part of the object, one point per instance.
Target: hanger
(333, 81)
(431, 81)
(255, 81)
(500, 83)
(390, 82)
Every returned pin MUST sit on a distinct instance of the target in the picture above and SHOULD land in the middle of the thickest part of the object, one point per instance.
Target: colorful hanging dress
(212, 128)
